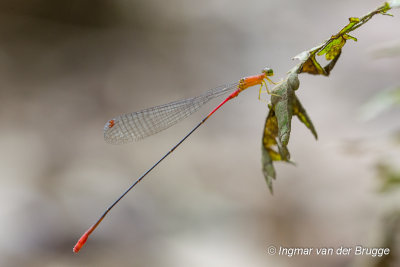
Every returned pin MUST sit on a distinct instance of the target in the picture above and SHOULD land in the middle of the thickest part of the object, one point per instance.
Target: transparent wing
(138, 125)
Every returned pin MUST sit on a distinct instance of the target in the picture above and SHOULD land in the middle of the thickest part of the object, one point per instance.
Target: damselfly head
(268, 71)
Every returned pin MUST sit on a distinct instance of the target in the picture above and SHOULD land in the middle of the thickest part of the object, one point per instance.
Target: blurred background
(67, 67)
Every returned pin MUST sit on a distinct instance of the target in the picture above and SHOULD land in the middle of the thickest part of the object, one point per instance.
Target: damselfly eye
(268, 71)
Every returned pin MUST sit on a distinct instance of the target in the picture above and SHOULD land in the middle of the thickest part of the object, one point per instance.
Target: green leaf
(301, 113)
(267, 168)
(334, 45)
(284, 104)
(333, 48)
(267, 148)
(348, 36)
(352, 22)
(282, 100)
(312, 66)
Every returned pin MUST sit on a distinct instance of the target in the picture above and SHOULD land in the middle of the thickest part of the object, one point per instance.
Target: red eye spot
(111, 123)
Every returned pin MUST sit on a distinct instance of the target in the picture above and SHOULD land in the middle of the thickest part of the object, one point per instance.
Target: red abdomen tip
(81, 242)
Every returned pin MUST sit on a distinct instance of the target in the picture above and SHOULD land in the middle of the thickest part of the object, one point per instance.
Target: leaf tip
(354, 20)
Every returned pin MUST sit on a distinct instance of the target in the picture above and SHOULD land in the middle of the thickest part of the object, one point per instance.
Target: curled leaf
(282, 100)
(312, 66)
(333, 48)
(268, 150)
(301, 113)
(352, 22)
(284, 104)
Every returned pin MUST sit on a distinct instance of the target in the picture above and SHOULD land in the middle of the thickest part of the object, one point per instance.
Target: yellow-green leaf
(333, 48)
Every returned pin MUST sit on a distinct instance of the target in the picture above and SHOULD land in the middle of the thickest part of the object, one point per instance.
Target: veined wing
(138, 125)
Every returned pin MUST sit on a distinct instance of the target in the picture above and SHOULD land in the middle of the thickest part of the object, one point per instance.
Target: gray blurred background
(66, 67)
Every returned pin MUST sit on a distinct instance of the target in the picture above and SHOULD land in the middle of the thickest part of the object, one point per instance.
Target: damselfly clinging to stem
(138, 125)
